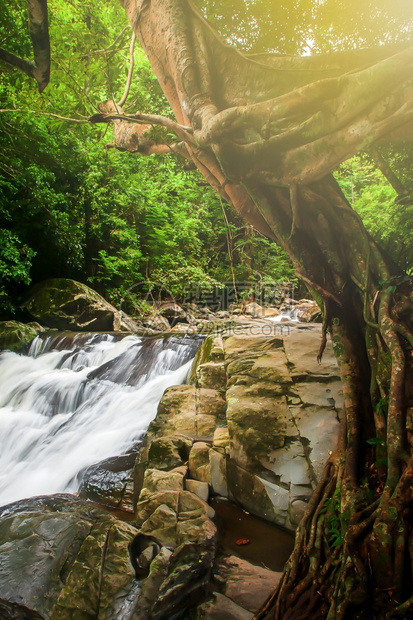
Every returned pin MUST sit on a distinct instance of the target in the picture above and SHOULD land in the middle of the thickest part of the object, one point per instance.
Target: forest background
(71, 207)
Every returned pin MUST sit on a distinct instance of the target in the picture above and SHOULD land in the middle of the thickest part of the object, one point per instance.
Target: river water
(75, 399)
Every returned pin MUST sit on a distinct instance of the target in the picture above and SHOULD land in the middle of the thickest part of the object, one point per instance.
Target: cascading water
(74, 400)
(290, 315)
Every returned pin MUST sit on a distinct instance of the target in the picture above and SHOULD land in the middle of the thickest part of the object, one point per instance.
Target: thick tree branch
(393, 179)
(39, 68)
(184, 133)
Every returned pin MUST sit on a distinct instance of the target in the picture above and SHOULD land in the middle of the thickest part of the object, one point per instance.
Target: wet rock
(175, 516)
(182, 328)
(326, 394)
(201, 489)
(149, 502)
(221, 438)
(256, 425)
(177, 411)
(211, 350)
(15, 335)
(188, 580)
(173, 313)
(255, 310)
(169, 452)
(247, 585)
(247, 342)
(289, 464)
(156, 480)
(266, 444)
(264, 366)
(52, 562)
(190, 411)
(218, 467)
(199, 466)
(312, 314)
(162, 525)
(191, 506)
(211, 375)
(106, 481)
(250, 491)
(319, 428)
(222, 314)
(296, 511)
(196, 530)
(157, 322)
(148, 593)
(301, 347)
(270, 313)
(220, 607)
(70, 305)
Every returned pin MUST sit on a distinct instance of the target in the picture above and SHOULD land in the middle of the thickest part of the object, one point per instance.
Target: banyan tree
(266, 130)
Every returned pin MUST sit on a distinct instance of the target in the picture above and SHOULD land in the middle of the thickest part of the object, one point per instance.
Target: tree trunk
(266, 131)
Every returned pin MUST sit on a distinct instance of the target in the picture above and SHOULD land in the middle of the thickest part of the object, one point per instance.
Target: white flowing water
(75, 400)
(285, 316)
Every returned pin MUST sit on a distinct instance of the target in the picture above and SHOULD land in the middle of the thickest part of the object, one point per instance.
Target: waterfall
(76, 399)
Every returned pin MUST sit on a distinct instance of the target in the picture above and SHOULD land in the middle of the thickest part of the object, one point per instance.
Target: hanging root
(353, 544)
(326, 325)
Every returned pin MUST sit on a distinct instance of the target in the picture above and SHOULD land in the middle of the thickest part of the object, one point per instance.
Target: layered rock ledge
(254, 425)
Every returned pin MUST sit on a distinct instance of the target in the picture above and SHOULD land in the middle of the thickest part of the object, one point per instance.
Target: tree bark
(39, 67)
(265, 131)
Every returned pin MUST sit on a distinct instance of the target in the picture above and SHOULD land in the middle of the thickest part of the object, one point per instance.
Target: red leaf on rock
(242, 541)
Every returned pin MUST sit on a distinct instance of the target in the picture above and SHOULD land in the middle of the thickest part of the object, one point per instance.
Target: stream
(73, 400)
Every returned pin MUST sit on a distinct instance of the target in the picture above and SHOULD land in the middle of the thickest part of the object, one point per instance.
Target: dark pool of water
(270, 546)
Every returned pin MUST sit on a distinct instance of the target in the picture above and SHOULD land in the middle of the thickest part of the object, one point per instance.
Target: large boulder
(312, 314)
(64, 558)
(255, 310)
(245, 584)
(70, 305)
(190, 411)
(15, 335)
(240, 588)
(264, 445)
(173, 313)
(157, 323)
(283, 410)
(219, 607)
(61, 557)
(108, 482)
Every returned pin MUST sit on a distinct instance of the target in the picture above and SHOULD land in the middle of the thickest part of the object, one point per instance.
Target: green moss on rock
(14, 335)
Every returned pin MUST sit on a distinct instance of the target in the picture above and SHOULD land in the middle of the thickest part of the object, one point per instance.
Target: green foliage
(337, 520)
(71, 208)
(303, 26)
(75, 209)
(386, 218)
(381, 449)
(15, 263)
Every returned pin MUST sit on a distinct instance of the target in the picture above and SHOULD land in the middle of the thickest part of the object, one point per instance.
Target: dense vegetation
(69, 207)
(266, 133)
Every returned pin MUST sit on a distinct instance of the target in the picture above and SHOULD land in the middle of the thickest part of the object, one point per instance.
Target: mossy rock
(15, 335)
(211, 350)
(69, 305)
(62, 557)
(168, 452)
(247, 489)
